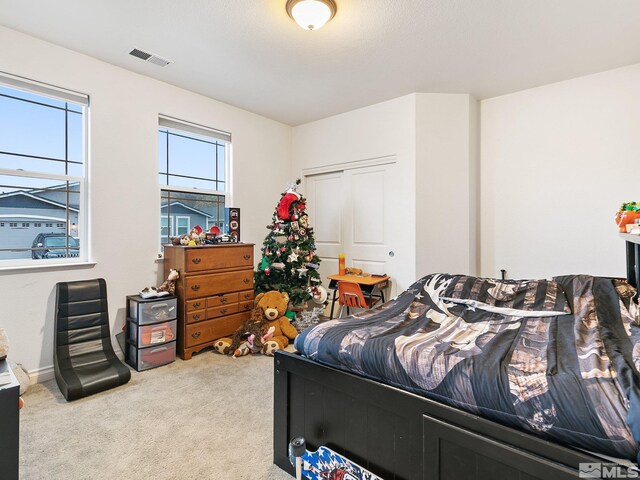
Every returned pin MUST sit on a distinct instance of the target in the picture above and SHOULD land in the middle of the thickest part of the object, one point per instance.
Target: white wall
(556, 163)
(123, 182)
(446, 183)
(385, 129)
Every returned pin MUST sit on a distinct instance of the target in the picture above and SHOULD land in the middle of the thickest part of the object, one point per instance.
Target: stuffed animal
(268, 314)
(274, 305)
(169, 285)
(253, 327)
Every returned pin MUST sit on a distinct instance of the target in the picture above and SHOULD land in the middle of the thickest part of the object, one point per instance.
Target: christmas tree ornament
(294, 217)
(285, 204)
(267, 271)
(295, 226)
(319, 294)
(291, 238)
(293, 257)
(302, 271)
(264, 264)
(302, 232)
(296, 237)
(278, 265)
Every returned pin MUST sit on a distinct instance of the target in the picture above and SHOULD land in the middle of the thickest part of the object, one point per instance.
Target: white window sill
(51, 266)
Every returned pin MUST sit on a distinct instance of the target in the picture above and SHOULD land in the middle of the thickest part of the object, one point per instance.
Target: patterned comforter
(558, 358)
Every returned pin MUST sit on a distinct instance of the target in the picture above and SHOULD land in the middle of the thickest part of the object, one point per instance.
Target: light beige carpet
(207, 418)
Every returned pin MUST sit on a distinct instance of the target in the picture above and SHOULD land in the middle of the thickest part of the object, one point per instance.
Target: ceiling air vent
(150, 57)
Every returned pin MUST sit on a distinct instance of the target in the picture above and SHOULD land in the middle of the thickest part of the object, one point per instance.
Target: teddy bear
(267, 319)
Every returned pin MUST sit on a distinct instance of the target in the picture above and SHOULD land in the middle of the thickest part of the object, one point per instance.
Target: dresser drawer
(197, 304)
(246, 295)
(220, 300)
(195, 316)
(245, 306)
(211, 258)
(221, 311)
(212, 329)
(216, 283)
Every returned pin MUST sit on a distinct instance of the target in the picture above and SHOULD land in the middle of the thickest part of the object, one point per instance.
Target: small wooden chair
(350, 295)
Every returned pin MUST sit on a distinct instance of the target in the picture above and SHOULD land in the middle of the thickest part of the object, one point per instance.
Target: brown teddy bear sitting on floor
(268, 314)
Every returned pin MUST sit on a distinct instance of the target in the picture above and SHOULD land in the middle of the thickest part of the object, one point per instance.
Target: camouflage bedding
(559, 358)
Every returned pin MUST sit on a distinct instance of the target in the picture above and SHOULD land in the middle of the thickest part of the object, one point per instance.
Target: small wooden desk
(368, 284)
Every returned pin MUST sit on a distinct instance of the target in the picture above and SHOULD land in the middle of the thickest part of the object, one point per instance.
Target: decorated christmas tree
(289, 261)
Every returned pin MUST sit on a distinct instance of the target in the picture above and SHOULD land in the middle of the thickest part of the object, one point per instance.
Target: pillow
(524, 298)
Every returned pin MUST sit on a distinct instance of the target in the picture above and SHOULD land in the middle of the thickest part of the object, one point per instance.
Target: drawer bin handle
(246, 280)
(196, 316)
(224, 310)
(195, 288)
(196, 260)
(196, 305)
(247, 295)
(247, 306)
(223, 299)
(246, 257)
(195, 335)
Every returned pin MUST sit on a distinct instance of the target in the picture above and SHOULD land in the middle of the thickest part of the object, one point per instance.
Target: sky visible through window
(35, 130)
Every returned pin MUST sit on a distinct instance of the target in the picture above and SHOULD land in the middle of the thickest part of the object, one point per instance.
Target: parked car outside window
(53, 245)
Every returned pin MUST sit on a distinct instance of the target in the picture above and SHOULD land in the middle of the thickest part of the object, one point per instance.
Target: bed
(462, 377)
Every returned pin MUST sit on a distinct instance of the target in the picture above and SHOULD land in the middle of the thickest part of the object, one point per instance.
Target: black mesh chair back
(84, 360)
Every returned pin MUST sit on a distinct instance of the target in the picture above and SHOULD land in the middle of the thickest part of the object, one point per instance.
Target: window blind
(58, 93)
(180, 125)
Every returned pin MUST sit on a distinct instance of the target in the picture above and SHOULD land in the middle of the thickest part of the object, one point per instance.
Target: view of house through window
(192, 166)
(42, 160)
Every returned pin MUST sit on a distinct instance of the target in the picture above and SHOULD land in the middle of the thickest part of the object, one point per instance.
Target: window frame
(196, 131)
(81, 101)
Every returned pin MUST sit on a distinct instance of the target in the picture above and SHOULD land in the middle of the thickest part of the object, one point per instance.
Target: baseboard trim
(41, 374)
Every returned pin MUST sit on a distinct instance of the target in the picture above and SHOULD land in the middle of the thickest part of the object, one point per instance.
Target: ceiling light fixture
(311, 14)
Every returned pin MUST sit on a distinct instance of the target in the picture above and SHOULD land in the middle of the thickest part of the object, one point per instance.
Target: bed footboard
(399, 435)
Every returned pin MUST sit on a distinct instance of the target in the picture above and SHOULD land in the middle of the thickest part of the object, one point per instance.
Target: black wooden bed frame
(400, 435)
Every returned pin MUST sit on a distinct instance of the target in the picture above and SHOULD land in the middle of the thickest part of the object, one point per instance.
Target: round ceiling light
(311, 14)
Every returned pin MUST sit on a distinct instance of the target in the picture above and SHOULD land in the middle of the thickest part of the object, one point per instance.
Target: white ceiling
(250, 54)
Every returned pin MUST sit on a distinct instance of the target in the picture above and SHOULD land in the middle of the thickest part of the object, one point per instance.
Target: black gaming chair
(83, 357)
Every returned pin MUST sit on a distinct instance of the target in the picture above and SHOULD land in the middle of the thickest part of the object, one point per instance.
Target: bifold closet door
(354, 211)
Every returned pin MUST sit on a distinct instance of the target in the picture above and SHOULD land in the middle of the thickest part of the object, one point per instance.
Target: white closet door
(355, 212)
(325, 203)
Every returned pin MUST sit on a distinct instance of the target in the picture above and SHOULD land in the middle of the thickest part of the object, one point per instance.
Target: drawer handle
(247, 306)
(246, 257)
(195, 335)
(224, 300)
(246, 280)
(196, 305)
(196, 260)
(195, 288)
(224, 310)
(247, 295)
(196, 316)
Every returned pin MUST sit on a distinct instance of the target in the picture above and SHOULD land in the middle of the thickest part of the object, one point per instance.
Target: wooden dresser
(215, 292)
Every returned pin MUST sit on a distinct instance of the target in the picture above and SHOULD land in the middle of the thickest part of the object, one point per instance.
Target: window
(42, 165)
(193, 162)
